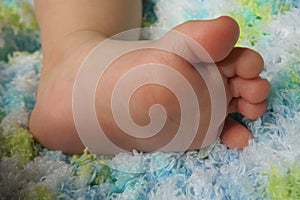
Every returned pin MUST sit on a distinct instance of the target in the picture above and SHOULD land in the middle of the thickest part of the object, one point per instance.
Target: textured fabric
(267, 169)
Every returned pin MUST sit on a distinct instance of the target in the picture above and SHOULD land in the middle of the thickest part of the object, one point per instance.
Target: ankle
(78, 43)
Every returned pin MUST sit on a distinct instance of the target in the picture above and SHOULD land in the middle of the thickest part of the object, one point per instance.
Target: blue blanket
(267, 169)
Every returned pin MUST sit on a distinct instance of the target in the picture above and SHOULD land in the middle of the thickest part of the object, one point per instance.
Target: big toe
(217, 37)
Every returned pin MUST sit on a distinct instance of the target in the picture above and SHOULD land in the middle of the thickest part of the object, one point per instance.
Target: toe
(242, 62)
(249, 110)
(249, 96)
(252, 90)
(235, 135)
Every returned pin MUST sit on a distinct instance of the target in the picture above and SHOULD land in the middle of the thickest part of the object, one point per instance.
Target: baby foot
(240, 69)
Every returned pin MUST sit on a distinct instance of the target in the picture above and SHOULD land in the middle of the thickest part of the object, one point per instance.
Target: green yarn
(292, 80)
(20, 143)
(253, 15)
(19, 15)
(277, 6)
(89, 169)
(39, 192)
(292, 65)
(2, 113)
(284, 186)
(149, 16)
(18, 28)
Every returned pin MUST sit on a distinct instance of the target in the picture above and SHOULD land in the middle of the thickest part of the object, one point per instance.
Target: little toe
(235, 135)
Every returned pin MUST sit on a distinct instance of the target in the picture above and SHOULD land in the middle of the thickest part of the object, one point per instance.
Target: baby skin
(71, 29)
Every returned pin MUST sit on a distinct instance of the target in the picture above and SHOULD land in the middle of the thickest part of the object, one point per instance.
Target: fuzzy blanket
(269, 168)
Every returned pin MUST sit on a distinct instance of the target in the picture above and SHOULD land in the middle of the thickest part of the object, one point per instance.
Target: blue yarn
(223, 174)
(19, 83)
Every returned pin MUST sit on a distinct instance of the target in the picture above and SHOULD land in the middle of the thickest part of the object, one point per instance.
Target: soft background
(269, 168)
